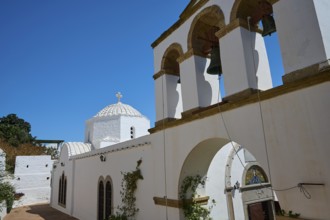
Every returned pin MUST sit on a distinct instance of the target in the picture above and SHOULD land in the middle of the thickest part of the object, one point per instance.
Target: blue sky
(61, 61)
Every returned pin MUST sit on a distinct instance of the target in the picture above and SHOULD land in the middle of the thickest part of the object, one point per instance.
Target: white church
(254, 146)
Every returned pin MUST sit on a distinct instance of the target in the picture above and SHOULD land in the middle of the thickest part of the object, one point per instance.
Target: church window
(108, 199)
(101, 201)
(132, 132)
(104, 198)
(255, 175)
(62, 190)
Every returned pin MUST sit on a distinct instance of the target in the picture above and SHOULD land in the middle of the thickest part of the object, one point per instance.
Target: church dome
(119, 109)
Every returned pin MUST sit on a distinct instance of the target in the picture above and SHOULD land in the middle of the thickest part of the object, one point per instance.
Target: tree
(15, 130)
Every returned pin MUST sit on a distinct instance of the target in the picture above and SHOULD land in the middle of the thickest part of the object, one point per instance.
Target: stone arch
(169, 63)
(223, 165)
(201, 35)
(203, 153)
(247, 8)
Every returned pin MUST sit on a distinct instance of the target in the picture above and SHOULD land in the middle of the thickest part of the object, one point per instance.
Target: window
(132, 132)
(62, 190)
(108, 199)
(101, 201)
(104, 199)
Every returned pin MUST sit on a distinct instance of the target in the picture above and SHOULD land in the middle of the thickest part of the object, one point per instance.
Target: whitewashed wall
(32, 177)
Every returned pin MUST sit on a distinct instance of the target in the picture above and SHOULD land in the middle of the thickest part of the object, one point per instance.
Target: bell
(268, 25)
(215, 64)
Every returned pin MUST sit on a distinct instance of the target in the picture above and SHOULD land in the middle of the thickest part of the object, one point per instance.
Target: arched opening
(62, 190)
(203, 42)
(170, 64)
(259, 15)
(104, 204)
(171, 69)
(255, 182)
(225, 166)
(108, 198)
(101, 200)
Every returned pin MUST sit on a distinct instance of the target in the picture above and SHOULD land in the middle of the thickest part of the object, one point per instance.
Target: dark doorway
(260, 211)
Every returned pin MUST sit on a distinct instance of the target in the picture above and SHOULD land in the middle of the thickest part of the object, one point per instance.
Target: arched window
(101, 201)
(104, 198)
(62, 190)
(108, 202)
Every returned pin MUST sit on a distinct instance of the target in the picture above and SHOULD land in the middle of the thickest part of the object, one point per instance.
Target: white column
(244, 56)
(303, 28)
(199, 89)
(168, 97)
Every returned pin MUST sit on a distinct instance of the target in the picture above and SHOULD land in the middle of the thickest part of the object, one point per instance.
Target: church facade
(253, 145)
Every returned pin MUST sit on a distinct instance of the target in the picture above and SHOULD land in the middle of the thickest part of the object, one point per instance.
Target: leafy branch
(192, 209)
(129, 185)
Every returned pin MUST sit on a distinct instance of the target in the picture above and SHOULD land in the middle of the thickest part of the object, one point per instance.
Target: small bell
(268, 25)
(215, 64)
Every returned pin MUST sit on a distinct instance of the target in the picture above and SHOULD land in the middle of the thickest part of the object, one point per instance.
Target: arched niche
(201, 35)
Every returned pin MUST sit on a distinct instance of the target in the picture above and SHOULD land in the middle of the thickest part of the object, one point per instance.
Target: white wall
(32, 177)
(304, 40)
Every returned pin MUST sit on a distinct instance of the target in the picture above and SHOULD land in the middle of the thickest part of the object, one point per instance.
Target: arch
(243, 8)
(201, 35)
(215, 156)
(169, 62)
(203, 153)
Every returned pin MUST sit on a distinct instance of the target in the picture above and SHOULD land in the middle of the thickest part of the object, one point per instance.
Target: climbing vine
(128, 209)
(192, 209)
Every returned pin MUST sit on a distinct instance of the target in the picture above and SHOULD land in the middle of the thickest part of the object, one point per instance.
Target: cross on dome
(119, 96)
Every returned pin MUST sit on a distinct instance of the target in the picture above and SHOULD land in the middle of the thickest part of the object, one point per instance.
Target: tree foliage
(15, 130)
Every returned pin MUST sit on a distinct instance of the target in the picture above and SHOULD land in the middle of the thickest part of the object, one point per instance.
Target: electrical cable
(300, 186)
(225, 126)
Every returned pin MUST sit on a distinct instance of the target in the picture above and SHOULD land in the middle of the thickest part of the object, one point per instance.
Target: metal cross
(119, 96)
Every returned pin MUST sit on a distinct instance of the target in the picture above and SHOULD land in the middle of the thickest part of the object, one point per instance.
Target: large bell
(268, 25)
(215, 64)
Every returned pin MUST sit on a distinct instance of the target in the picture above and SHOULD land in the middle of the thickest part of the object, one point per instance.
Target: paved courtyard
(37, 212)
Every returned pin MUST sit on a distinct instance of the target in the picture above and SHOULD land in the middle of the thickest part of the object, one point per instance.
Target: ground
(37, 212)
